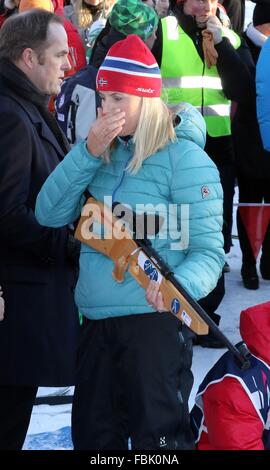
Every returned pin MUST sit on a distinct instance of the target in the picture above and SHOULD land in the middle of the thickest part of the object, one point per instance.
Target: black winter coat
(251, 160)
(38, 335)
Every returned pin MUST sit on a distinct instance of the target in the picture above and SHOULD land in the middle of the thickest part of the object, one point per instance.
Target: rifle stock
(126, 254)
(143, 263)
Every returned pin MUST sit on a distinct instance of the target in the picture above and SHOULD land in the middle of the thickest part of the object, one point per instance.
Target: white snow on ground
(47, 418)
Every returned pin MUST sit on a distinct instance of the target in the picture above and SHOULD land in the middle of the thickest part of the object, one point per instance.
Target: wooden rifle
(138, 257)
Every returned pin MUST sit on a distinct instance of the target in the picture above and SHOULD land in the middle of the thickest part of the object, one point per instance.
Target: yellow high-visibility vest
(185, 77)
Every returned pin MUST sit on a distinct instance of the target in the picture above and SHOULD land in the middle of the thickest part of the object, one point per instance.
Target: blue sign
(175, 306)
(150, 270)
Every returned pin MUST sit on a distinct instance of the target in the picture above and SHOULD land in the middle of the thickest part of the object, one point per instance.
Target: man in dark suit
(39, 332)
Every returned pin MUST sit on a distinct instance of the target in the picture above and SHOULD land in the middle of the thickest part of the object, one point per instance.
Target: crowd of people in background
(89, 100)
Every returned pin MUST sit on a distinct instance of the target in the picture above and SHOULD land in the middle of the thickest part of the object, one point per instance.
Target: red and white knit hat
(130, 67)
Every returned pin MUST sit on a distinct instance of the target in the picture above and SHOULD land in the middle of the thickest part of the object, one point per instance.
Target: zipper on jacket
(121, 178)
(202, 104)
(197, 39)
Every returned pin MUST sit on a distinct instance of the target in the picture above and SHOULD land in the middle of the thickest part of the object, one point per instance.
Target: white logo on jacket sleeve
(205, 191)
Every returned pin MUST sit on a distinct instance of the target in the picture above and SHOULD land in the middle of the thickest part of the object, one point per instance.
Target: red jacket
(77, 56)
(231, 421)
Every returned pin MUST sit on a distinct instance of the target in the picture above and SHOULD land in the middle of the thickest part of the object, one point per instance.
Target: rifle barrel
(240, 354)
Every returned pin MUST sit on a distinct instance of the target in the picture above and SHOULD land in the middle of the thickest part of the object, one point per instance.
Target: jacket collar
(42, 128)
(126, 142)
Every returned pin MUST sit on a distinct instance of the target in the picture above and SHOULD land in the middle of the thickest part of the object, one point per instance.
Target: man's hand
(106, 127)
(215, 27)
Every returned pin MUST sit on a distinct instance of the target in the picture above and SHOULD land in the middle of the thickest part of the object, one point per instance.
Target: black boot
(250, 276)
(210, 340)
(226, 267)
(265, 257)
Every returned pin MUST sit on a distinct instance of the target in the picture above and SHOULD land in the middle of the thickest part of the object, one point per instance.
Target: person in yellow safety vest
(188, 76)
(191, 80)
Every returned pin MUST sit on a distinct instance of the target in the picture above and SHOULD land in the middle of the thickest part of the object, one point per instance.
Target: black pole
(241, 352)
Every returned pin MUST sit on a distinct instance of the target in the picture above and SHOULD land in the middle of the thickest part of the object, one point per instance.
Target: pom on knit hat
(261, 13)
(133, 17)
(130, 67)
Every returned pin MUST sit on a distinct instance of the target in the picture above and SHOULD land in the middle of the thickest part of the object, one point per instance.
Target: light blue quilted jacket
(180, 174)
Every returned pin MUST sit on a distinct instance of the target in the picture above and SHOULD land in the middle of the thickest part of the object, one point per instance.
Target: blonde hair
(84, 15)
(154, 131)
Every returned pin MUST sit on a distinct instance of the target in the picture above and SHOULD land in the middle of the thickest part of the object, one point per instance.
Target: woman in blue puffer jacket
(134, 375)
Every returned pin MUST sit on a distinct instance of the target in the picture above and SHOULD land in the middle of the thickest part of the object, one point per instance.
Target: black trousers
(220, 150)
(135, 380)
(227, 178)
(256, 191)
(16, 404)
(211, 302)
